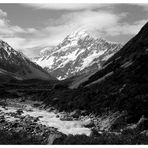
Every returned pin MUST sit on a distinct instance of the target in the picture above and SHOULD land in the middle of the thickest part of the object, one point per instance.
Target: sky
(31, 27)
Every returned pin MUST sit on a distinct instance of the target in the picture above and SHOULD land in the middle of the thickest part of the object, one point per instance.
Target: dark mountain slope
(16, 63)
(126, 88)
(132, 58)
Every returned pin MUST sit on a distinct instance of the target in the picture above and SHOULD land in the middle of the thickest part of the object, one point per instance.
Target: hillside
(18, 64)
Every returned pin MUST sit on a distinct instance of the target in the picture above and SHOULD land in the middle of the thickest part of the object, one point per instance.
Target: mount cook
(79, 53)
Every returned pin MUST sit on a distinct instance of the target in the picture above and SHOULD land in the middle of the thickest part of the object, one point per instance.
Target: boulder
(57, 116)
(55, 138)
(75, 113)
(40, 116)
(15, 124)
(50, 109)
(95, 133)
(65, 117)
(55, 99)
(142, 124)
(36, 119)
(3, 103)
(119, 123)
(19, 111)
(145, 133)
(22, 99)
(83, 112)
(29, 109)
(2, 120)
(36, 104)
(88, 123)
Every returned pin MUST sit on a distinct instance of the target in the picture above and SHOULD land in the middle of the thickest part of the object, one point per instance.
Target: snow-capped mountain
(78, 53)
(15, 62)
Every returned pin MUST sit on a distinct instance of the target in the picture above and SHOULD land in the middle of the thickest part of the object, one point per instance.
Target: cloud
(15, 42)
(12, 33)
(125, 28)
(2, 13)
(142, 5)
(53, 34)
(64, 6)
(9, 29)
(97, 22)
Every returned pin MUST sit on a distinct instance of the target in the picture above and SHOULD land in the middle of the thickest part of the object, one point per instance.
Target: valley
(83, 91)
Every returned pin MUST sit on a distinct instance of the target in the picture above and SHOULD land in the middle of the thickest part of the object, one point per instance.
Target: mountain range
(78, 54)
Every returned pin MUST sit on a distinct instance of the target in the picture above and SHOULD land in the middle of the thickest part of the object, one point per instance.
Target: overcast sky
(30, 27)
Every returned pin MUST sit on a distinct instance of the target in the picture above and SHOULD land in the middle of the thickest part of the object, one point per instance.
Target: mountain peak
(78, 53)
(5, 47)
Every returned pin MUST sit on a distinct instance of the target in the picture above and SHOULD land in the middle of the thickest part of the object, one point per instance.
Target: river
(48, 118)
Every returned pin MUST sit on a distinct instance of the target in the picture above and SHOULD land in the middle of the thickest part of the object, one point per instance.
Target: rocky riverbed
(15, 110)
(29, 122)
(29, 116)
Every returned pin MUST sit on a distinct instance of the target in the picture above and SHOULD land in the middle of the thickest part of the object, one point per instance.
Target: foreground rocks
(88, 123)
(27, 131)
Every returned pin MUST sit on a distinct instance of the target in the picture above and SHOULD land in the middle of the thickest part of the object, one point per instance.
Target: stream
(48, 118)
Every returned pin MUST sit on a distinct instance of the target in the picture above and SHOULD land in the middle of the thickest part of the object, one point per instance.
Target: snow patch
(48, 62)
(87, 61)
(108, 56)
(127, 64)
(101, 79)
